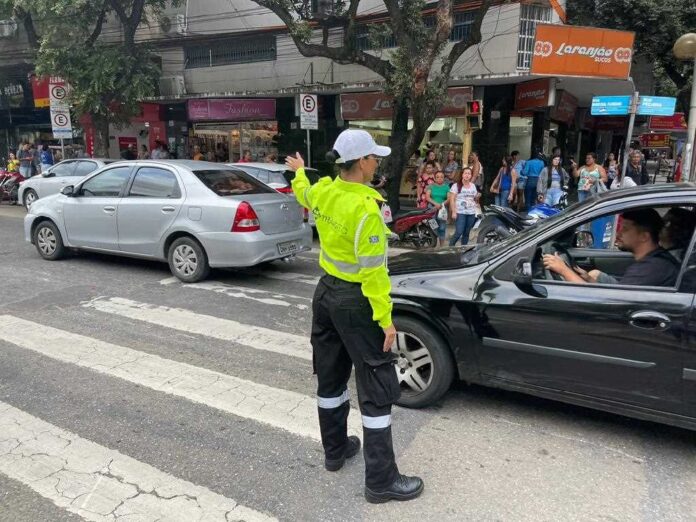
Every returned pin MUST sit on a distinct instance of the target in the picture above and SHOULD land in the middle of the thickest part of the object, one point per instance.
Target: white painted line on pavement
(99, 483)
(255, 337)
(283, 409)
(294, 277)
(253, 294)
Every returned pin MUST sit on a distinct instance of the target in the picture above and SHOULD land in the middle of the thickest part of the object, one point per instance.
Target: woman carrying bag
(437, 194)
(553, 180)
(504, 184)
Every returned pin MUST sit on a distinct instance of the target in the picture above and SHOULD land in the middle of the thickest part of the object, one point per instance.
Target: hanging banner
(654, 141)
(566, 50)
(676, 122)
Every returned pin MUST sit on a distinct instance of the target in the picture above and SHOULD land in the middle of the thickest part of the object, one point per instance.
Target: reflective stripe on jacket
(352, 234)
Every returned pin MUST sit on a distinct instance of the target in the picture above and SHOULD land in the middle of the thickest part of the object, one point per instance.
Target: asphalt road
(125, 395)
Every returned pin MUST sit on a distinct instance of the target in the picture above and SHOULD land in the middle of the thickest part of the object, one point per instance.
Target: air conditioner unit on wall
(8, 28)
(175, 25)
(172, 86)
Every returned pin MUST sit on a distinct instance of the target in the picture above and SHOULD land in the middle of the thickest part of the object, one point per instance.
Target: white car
(68, 172)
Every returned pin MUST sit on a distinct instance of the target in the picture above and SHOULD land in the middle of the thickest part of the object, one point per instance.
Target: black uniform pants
(344, 335)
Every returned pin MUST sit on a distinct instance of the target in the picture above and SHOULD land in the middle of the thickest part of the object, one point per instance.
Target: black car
(491, 314)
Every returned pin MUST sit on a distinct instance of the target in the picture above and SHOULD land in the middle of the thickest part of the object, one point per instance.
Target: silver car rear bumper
(229, 249)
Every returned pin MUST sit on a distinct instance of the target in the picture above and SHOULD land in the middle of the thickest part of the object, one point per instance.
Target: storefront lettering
(381, 104)
(539, 93)
(231, 109)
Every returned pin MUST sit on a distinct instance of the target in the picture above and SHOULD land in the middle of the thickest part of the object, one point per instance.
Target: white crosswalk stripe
(287, 410)
(255, 337)
(100, 484)
(253, 294)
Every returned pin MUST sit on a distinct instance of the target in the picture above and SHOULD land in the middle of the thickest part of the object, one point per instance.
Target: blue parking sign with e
(656, 106)
(610, 105)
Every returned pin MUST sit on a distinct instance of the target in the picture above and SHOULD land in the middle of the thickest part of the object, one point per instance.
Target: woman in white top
(462, 202)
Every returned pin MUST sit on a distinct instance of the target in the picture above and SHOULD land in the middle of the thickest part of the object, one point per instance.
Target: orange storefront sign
(565, 50)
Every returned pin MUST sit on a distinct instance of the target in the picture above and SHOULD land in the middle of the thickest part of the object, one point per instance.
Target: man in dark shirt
(637, 170)
(640, 233)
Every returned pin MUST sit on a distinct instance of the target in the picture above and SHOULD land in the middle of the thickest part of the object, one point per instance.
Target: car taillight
(285, 190)
(245, 220)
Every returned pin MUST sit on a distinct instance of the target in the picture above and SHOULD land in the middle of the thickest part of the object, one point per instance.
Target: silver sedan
(192, 214)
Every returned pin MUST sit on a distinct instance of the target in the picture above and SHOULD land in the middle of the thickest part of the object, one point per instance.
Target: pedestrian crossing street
(97, 482)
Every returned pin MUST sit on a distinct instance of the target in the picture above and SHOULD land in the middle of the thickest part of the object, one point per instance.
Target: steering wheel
(564, 254)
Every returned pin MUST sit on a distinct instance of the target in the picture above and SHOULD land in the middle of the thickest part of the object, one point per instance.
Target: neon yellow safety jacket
(352, 234)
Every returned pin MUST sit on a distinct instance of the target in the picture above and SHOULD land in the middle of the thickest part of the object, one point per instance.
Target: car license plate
(289, 247)
(433, 224)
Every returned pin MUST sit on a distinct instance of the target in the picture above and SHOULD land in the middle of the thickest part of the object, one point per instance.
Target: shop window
(530, 16)
(227, 52)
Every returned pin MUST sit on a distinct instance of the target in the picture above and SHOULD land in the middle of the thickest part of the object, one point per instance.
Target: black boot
(352, 449)
(403, 488)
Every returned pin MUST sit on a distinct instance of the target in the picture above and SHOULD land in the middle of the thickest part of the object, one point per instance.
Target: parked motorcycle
(501, 222)
(417, 227)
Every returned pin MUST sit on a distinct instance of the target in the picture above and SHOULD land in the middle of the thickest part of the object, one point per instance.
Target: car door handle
(109, 210)
(168, 209)
(649, 320)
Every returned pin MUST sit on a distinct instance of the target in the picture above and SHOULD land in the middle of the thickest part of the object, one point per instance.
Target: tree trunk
(399, 157)
(101, 135)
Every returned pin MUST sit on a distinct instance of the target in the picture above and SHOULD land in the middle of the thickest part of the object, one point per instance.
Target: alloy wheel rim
(185, 260)
(47, 241)
(414, 366)
(31, 197)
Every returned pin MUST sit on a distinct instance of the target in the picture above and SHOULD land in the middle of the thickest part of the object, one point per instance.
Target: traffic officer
(352, 324)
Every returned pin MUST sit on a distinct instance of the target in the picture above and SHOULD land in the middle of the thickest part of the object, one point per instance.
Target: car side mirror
(523, 279)
(48, 174)
(68, 191)
(583, 239)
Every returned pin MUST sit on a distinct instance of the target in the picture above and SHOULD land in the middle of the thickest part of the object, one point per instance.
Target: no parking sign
(309, 112)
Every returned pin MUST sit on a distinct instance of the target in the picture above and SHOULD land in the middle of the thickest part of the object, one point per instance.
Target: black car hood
(434, 260)
(450, 273)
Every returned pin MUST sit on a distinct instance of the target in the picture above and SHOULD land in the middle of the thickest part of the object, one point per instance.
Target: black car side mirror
(68, 191)
(583, 239)
(524, 279)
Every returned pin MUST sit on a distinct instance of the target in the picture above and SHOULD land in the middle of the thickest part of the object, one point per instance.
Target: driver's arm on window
(555, 263)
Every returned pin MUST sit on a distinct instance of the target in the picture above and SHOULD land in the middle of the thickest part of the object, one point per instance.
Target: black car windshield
(228, 182)
(487, 252)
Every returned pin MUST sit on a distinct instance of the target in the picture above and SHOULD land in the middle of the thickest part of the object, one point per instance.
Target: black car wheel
(188, 261)
(48, 241)
(424, 367)
(427, 238)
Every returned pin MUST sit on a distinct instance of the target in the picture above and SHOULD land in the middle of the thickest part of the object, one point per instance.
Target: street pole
(629, 134)
(62, 149)
(309, 150)
(691, 131)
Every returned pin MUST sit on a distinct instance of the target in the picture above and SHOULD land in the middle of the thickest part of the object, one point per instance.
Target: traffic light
(474, 114)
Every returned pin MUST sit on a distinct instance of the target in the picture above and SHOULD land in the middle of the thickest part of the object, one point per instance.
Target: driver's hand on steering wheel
(555, 263)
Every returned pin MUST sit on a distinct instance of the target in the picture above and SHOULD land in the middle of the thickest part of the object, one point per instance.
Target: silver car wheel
(30, 198)
(47, 241)
(185, 260)
(414, 367)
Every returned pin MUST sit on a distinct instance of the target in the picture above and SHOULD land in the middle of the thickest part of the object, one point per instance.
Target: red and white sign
(654, 141)
(537, 94)
(676, 122)
(124, 141)
(565, 108)
(378, 105)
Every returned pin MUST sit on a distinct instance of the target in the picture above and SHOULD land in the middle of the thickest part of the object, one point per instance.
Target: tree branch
(443, 28)
(350, 25)
(97, 28)
(460, 47)
(346, 54)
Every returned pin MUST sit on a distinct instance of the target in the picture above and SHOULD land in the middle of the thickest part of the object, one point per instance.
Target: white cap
(355, 144)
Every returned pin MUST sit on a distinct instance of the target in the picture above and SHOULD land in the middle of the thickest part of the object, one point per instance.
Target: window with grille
(230, 51)
(363, 41)
(530, 16)
(461, 26)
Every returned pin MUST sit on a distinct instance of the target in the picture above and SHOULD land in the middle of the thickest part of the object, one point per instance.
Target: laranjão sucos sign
(564, 50)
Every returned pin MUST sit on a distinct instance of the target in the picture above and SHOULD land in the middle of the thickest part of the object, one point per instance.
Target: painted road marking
(253, 294)
(99, 483)
(255, 337)
(287, 410)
